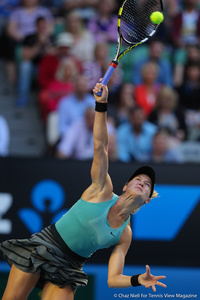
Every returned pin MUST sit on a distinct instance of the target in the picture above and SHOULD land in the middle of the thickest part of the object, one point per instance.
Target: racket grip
(108, 75)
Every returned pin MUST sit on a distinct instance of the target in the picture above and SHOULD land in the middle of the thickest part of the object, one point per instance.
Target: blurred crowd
(62, 47)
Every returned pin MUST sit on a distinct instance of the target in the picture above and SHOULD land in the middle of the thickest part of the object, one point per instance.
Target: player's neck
(127, 203)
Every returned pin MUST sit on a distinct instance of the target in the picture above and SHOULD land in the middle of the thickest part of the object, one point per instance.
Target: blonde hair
(154, 195)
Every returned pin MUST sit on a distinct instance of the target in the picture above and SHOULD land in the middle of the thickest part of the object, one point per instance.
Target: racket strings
(135, 19)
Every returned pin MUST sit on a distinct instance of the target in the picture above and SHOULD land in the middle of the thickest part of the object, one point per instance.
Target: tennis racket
(134, 28)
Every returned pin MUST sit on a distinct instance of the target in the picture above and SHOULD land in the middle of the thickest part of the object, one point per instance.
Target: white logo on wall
(6, 201)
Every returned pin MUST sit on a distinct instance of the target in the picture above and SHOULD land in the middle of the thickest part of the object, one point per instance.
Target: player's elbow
(100, 148)
(111, 283)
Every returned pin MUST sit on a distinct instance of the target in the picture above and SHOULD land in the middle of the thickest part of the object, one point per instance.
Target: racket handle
(107, 76)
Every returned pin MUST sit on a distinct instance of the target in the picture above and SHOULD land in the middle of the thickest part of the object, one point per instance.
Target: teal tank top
(85, 228)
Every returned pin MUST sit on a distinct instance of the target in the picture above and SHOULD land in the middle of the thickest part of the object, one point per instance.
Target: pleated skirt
(45, 253)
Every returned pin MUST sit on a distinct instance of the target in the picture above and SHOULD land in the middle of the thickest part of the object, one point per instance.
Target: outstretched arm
(116, 279)
(117, 260)
(100, 136)
(101, 182)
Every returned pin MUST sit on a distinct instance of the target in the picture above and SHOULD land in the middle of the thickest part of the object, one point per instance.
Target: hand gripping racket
(134, 28)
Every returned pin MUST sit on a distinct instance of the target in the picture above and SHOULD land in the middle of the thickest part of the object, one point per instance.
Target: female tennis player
(53, 258)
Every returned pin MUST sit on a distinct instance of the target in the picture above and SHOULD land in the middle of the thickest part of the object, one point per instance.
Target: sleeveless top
(85, 228)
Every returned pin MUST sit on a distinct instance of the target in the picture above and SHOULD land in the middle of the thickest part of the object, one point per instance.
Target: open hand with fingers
(148, 280)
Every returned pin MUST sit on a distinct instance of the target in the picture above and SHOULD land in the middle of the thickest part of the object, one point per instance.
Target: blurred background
(52, 52)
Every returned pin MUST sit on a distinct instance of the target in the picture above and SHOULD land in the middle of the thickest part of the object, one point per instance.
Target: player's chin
(140, 195)
(138, 190)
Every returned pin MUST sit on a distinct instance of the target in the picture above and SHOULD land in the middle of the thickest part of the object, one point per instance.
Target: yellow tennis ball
(156, 17)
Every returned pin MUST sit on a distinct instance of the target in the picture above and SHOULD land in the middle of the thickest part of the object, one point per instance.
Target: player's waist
(64, 246)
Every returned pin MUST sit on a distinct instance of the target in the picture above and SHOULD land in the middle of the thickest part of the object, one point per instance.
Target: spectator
(171, 9)
(6, 7)
(4, 137)
(186, 25)
(50, 62)
(185, 29)
(83, 47)
(189, 94)
(86, 8)
(189, 91)
(103, 26)
(61, 86)
(162, 151)
(134, 138)
(168, 115)
(192, 55)
(145, 94)
(72, 107)
(96, 68)
(33, 49)
(78, 142)
(156, 50)
(124, 102)
(21, 23)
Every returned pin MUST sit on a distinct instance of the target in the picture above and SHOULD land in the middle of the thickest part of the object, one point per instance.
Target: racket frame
(120, 38)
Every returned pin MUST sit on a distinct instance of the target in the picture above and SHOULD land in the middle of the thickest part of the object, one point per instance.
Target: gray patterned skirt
(45, 253)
